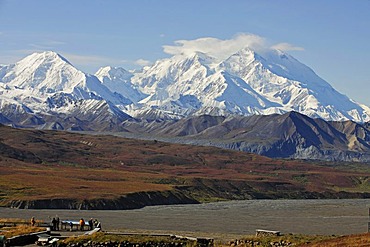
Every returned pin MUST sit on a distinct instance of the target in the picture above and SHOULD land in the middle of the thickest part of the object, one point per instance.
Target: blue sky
(332, 37)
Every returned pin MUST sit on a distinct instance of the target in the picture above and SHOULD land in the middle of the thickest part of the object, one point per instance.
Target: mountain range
(290, 135)
(45, 91)
(246, 83)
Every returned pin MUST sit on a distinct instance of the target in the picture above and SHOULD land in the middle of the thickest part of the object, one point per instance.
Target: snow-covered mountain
(245, 83)
(282, 79)
(45, 84)
(186, 85)
(119, 80)
(195, 96)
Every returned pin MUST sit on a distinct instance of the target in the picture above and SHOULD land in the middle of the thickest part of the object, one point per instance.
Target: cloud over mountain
(224, 48)
(143, 62)
(287, 47)
(218, 48)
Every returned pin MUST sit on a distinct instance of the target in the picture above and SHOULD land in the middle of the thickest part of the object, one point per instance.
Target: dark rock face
(200, 190)
(247, 190)
(83, 116)
(130, 201)
(291, 135)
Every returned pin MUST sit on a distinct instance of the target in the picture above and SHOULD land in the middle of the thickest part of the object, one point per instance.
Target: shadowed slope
(291, 135)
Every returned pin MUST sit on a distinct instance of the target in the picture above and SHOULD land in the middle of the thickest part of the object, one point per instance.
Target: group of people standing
(91, 223)
(55, 224)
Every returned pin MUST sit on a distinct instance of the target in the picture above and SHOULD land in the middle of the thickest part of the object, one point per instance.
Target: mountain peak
(199, 55)
(247, 82)
(49, 54)
(113, 73)
(47, 71)
(246, 50)
(191, 58)
(43, 70)
(45, 57)
(117, 79)
(276, 81)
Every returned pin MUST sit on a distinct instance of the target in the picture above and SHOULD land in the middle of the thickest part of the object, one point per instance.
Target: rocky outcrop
(210, 190)
(201, 190)
(129, 201)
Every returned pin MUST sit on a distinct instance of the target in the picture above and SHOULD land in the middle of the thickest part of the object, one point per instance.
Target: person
(82, 224)
(33, 221)
(91, 224)
(57, 224)
(54, 224)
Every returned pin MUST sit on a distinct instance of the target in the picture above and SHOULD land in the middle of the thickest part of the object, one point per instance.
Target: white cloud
(88, 60)
(287, 47)
(86, 63)
(142, 62)
(73, 58)
(222, 49)
(77, 59)
(216, 47)
(55, 42)
(47, 44)
(13, 56)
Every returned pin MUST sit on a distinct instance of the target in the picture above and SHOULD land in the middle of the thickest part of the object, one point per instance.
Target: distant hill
(291, 135)
(54, 169)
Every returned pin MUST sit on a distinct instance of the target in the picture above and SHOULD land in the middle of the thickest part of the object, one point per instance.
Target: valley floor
(239, 218)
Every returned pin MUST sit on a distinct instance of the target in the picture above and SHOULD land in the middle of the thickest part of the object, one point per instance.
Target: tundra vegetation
(48, 165)
(14, 227)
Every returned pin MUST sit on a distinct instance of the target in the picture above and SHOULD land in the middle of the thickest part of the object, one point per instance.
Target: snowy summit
(245, 83)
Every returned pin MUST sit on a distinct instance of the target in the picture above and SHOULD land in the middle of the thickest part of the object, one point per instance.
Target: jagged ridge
(291, 135)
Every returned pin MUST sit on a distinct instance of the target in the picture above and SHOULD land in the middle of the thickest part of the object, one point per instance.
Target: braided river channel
(323, 217)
